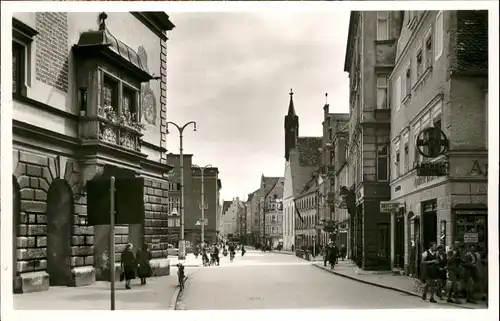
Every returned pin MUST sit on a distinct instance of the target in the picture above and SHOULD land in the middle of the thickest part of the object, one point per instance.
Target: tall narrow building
(369, 60)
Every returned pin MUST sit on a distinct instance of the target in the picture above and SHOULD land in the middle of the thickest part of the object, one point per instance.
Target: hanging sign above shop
(471, 237)
(431, 143)
(389, 207)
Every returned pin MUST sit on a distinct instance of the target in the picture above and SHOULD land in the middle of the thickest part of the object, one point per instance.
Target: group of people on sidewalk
(133, 265)
(459, 272)
(331, 254)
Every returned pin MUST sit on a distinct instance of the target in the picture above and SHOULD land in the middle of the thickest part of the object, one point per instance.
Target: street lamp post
(182, 244)
(203, 206)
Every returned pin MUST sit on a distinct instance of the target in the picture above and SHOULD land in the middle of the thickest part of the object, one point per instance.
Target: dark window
(83, 99)
(382, 163)
(420, 66)
(398, 165)
(437, 123)
(110, 93)
(18, 68)
(408, 81)
(407, 159)
(129, 104)
(428, 52)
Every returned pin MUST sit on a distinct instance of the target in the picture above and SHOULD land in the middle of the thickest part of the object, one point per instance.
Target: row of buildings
(407, 165)
(89, 102)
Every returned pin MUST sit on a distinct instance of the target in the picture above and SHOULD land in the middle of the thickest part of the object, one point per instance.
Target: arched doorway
(16, 213)
(60, 209)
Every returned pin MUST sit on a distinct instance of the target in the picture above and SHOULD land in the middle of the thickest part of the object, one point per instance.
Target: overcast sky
(232, 74)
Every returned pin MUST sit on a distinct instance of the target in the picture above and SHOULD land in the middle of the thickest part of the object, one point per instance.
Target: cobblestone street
(276, 281)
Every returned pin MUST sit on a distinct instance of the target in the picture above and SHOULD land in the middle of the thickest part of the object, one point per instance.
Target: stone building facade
(83, 111)
(306, 204)
(370, 57)
(341, 216)
(273, 214)
(440, 80)
(212, 186)
(333, 150)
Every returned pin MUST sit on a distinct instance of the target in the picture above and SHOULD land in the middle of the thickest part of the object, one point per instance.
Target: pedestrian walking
(442, 273)
(430, 270)
(128, 265)
(324, 252)
(332, 255)
(470, 268)
(412, 259)
(452, 267)
(143, 267)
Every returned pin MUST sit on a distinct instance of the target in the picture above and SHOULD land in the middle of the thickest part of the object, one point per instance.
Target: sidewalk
(157, 294)
(384, 279)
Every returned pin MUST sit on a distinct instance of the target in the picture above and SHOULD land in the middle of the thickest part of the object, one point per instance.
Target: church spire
(291, 128)
(291, 108)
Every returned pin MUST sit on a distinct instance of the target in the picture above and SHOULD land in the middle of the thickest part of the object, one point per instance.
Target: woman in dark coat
(143, 258)
(128, 265)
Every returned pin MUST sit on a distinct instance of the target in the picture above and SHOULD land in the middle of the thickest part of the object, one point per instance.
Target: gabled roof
(309, 151)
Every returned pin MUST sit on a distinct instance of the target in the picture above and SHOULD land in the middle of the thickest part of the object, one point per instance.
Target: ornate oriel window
(111, 74)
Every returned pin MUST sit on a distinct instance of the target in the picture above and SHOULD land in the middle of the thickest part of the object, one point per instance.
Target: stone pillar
(135, 236)
(393, 250)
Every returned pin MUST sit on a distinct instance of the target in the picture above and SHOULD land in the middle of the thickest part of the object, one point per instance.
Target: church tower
(291, 128)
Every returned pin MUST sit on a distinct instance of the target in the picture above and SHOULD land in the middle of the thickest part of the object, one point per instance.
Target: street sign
(471, 237)
(432, 142)
(389, 207)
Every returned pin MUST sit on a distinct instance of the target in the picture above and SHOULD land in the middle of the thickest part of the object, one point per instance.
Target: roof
(102, 39)
(471, 51)
(226, 205)
(309, 150)
(310, 186)
(269, 183)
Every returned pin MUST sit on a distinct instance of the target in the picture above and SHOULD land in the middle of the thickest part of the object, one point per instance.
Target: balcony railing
(118, 131)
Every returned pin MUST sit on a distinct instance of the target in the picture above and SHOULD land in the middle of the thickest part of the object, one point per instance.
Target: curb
(175, 296)
(382, 285)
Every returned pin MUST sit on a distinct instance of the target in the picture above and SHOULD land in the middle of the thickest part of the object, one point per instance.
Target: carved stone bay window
(109, 75)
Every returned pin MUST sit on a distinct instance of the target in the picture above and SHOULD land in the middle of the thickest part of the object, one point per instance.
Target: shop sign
(471, 237)
(478, 170)
(419, 180)
(432, 169)
(389, 207)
